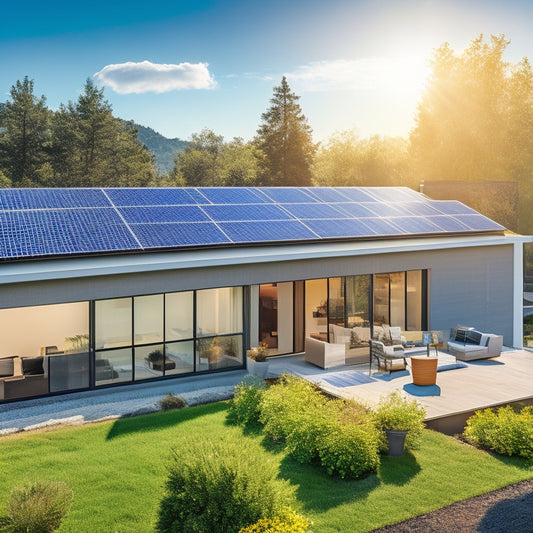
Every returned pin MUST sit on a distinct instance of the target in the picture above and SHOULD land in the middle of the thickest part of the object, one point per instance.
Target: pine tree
(24, 121)
(91, 148)
(285, 140)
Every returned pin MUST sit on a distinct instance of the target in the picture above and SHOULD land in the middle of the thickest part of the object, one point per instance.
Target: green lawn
(117, 472)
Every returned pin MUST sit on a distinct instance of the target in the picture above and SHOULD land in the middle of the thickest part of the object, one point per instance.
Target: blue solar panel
(451, 207)
(415, 225)
(354, 210)
(355, 194)
(44, 222)
(448, 223)
(228, 213)
(51, 198)
(386, 209)
(393, 194)
(135, 197)
(170, 213)
(231, 195)
(58, 232)
(419, 208)
(289, 230)
(479, 222)
(340, 228)
(181, 234)
(327, 194)
(287, 195)
(314, 211)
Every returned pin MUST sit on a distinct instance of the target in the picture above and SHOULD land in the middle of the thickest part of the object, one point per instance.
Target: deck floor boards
(506, 379)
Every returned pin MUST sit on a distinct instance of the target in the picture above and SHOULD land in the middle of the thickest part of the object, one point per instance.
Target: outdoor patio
(459, 390)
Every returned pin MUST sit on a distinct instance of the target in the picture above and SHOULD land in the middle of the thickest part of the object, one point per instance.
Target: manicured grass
(117, 471)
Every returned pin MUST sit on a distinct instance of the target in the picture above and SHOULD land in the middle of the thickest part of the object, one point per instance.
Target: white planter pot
(257, 369)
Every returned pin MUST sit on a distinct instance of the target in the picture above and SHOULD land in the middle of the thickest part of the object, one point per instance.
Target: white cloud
(130, 77)
(406, 73)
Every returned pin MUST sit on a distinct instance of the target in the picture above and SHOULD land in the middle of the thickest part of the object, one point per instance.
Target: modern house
(100, 287)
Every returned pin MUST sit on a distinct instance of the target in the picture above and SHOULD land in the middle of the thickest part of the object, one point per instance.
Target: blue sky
(181, 66)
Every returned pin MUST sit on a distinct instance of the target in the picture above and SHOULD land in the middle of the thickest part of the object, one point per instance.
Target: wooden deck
(459, 392)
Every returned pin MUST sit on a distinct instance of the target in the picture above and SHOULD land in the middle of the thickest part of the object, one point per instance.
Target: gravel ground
(508, 510)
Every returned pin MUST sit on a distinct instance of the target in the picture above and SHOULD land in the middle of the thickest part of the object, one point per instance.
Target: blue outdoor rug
(348, 378)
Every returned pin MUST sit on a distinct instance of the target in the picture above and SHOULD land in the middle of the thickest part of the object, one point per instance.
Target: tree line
(474, 121)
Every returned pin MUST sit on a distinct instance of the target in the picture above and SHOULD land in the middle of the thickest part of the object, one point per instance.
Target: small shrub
(396, 412)
(350, 451)
(282, 405)
(170, 402)
(220, 487)
(313, 425)
(287, 521)
(352, 412)
(38, 507)
(504, 431)
(245, 405)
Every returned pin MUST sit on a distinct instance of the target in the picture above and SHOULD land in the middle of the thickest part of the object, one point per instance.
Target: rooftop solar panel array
(37, 223)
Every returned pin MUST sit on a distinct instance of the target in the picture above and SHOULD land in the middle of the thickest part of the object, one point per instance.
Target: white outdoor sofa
(324, 354)
(469, 344)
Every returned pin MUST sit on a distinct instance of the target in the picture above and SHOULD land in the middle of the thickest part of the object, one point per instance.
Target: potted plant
(401, 420)
(257, 363)
(155, 360)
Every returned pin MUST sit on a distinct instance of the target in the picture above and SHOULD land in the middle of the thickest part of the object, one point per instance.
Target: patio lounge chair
(324, 354)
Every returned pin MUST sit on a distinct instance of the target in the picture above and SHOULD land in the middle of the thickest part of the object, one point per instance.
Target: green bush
(396, 412)
(350, 451)
(245, 406)
(37, 508)
(170, 402)
(220, 487)
(287, 521)
(504, 431)
(282, 405)
(313, 425)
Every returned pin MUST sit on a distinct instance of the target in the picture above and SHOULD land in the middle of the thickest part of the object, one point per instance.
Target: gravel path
(508, 510)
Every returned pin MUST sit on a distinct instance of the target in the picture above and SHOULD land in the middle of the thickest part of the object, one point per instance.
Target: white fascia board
(67, 268)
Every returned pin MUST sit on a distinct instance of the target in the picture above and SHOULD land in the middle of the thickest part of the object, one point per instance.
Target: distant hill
(164, 149)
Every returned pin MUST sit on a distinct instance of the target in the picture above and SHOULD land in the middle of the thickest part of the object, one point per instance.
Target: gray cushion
(6, 367)
(32, 366)
(473, 337)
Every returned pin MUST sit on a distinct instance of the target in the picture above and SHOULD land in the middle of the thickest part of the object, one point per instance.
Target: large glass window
(276, 317)
(397, 299)
(148, 319)
(316, 309)
(219, 352)
(219, 311)
(113, 323)
(179, 315)
(381, 299)
(113, 366)
(44, 349)
(179, 357)
(336, 301)
(414, 300)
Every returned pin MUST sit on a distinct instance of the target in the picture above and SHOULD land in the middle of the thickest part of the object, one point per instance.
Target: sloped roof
(40, 223)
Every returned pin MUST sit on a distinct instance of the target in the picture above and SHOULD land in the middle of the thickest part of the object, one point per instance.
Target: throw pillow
(32, 366)
(6, 367)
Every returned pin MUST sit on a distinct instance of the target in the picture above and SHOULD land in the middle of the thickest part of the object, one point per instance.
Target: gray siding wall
(468, 286)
